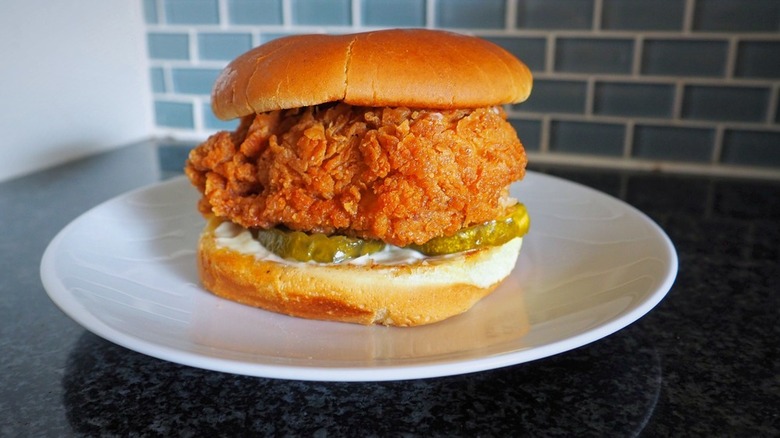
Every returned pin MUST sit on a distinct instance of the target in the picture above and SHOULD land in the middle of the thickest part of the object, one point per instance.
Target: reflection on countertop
(610, 390)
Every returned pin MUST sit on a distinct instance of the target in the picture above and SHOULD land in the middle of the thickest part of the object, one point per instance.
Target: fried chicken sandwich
(368, 179)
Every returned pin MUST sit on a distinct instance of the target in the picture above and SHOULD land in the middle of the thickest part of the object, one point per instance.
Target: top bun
(400, 67)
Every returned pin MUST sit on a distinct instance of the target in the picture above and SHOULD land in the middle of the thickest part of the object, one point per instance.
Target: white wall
(73, 80)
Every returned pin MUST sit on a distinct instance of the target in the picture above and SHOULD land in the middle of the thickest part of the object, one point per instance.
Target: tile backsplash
(675, 85)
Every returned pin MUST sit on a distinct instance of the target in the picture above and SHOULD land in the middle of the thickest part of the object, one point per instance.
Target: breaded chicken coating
(396, 174)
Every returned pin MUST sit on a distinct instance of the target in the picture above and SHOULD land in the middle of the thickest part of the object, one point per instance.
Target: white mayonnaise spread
(390, 255)
(234, 237)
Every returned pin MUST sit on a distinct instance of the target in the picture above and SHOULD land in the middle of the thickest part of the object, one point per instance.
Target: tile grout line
(510, 16)
(514, 32)
(549, 53)
(628, 140)
(356, 13)
(197, 116)
(590, 97)
(287, 14)
(168, 79)
(176, 97)
(544, 135)
(622, 34)
(430, 14)
(223, 14)
(192, 36)
(660, 122)
(731, 58)
(636, 59)
(717, 147)
(677, 103)
(688, 17)
(774, 102)
(646, 120)
(598, 8)
(593, 161)
(657, 79)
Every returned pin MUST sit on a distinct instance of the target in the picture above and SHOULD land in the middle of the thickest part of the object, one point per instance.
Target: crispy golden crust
(397, 67)
(405, 295)
(399, 175)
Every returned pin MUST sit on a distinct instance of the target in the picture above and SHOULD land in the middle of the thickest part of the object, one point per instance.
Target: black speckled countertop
(704, 362)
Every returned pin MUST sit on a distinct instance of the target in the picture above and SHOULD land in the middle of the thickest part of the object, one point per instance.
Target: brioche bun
(416, 68)
(399, 295)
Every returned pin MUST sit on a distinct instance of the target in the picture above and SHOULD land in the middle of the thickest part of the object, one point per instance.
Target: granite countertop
(704, 362)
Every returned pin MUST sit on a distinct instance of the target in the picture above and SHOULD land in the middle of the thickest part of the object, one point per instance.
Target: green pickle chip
(317, 247)
(492, 233)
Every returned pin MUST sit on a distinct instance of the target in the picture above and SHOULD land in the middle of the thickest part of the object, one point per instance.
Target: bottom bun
(419, 293)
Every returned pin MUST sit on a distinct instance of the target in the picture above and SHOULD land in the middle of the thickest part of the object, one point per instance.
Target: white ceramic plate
(590, 265)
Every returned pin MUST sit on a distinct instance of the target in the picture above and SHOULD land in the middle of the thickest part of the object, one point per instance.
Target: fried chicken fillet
(399, 175)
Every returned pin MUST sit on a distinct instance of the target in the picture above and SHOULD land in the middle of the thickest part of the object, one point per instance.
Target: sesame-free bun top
(399, 67)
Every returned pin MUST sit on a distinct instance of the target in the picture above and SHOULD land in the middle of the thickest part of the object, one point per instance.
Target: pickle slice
(492, 233)
(317, 247)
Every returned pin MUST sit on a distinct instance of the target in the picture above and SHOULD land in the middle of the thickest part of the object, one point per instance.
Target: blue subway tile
(591, 55)
(531, 50)
(587, 138)
(554, 96)
(191, 11)
(223, 46)
(322, 12)
(633, 99)
(157, 77)
(477, 14)
(745, 104)
(667, 143)
(150, 12)
(684, 58)
(173, 114)
(529, 132)
(210, 121)
(555, 14)
(758, 59)
(255, 11)
(737, 16)
(751, 148)
(643, 14)
(398, 13)
(168, 45)
(194, 80)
